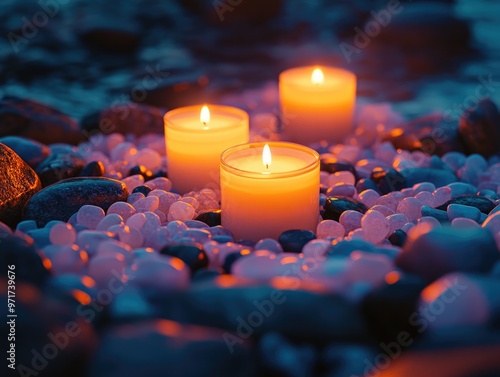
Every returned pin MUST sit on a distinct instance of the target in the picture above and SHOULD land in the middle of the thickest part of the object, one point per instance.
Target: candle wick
(267, 166)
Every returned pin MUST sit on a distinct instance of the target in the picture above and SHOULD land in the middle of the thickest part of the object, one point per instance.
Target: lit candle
(195, 138)
(267, 189)
(317, 103)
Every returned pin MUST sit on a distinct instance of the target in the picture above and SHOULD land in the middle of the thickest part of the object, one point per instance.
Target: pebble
(90, 216)
(479, 130)
(438, 177)
(191, 254)
(426, 197)
(144, 190)
(460, 210)
(341, 189)
(93, 169)
(292, 241)
(147, 204)
(181, 211)
(386, 211)
(366, 184)
(61, 200)
(123, 209)
(368, 197)
(460, 188)
(211, 218)
(375, 225)
(396, 221)
(18, 183)
(398, 237)
(482, 203)
(269, 244)
(59, 166)
(439, 251)
(462, 222)
(66, 259)
(336, 205)
(62, 234)
(32, 152)
(329, 229)
(411, 208)
(350, 220)
(388, 180)
(344, 177)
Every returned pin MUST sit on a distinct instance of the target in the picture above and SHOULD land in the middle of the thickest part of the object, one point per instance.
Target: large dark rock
(24, 117)
(20, 251)
(61, 200)
(480, 129)
(124, 119)
(31, 151)
(448, 249)
(388, 180)
(293, 240)
(18, 183)
(168, 348)
(59, 166)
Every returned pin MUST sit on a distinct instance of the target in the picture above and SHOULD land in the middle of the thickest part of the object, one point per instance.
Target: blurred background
(80, 56)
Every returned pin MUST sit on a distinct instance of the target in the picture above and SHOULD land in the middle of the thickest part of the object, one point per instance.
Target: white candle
(317, 103)
(264, 194)
(195, 138)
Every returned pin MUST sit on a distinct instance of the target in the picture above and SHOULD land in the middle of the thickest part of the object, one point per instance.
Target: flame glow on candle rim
(266, 156)
(205, 115)
(317, 76)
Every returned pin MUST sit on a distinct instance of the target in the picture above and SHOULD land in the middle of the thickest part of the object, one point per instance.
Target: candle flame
(317, 76)
(205, 115)
(266, 156)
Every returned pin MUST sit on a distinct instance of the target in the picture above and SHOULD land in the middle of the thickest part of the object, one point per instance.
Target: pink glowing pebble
(389, 200)
(176, 227)
(375, 226)
(125, 210)
(323, 178)
(269, 244)
(89, 240)
(160, 183)
(330, 229)
(369, 197)
(411, 208)
(128, 235)
(62, 234)
(431, 221)
(161, 216)
(123, 151)
(384, 210)
(181, 211)
(441, 195)
(357, 234)
(104, 268)
(160, 272)
(66, 259)
(316, 249)
(212, 249)
(113, 140)
(156, 192)
(158, 239)
(396, 221)
(149, 158)
(426, 197)
(463, 222)
(89, 216)
(110, 220)
(260, 265)
(385, 152)
(136, 196)
(368, 267)
(350, 220)
(149, 203)
(345, 177)
(112, 247)
(343, 190)
(190, 200)
(424, 186)
(151, 224)
(136, 221)
(133, 181)
(166, 201)
(231, 247)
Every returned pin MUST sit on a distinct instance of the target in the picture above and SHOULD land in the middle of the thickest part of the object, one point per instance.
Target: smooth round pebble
(125, 210)
(62, 234)
(330, 229)
(375, 226)
(89, 216)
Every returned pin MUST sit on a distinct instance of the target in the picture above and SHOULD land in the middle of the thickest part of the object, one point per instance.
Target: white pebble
(462, 222)
(62, 234)
(133, 181)
(431, 221)
(426, 197)
(125, 210)
(343, 190)
(160, 183)
(149, 203)
(66, 259)
(344, 177)
(110, 220)
(132, 198)
(190, 200)
(441, 195)
(396, 221)
(389, 200)
(136, 221)
(128, 235)
(166, 201)
(350, 220)
(316, 249)
(181, 211)
(329, 229)
(103, 268)
(149, 158)
(411, 208)
(369, 197)
(386, 211)
(89, 216)
(424, 186)
(123, 151)
(375, 226)
(269, 244)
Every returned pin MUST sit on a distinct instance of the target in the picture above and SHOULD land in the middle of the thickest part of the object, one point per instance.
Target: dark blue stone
(293, 240)
(205, 274)
(231, 258)
(143, 189)
(141, 170)
(211, 218)
(93, 169)
(366, 184)
(388, 180)
(482, 203)
(333, 165)
(31, 151)
(336, 205)
(398, 238)
(437, 176)
(190, 253)
(344, 248)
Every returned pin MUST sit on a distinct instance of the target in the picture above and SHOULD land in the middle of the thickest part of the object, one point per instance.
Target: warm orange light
(392, 277)
(82, 297)
(205, 115)
(266, 156)
(317, 76)
(177, 264)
